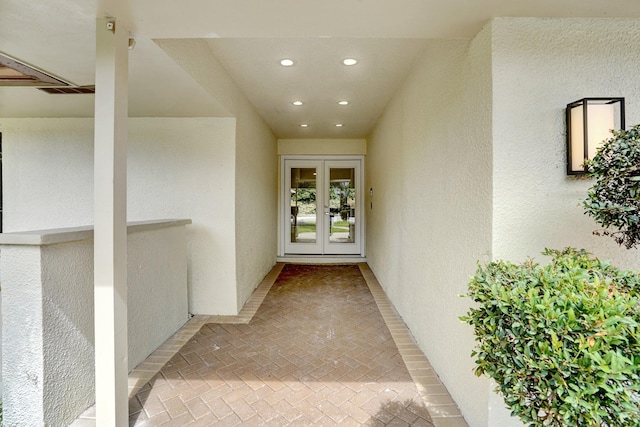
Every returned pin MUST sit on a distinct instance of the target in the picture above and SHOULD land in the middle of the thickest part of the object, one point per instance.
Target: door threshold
(322, 259)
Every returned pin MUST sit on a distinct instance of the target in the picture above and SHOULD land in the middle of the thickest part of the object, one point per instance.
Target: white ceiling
(319, 79)
(249, 37)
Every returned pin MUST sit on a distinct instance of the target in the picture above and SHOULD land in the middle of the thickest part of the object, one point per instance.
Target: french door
(322, 199)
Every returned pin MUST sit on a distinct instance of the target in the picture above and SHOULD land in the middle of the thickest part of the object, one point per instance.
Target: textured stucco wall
(184, 168)
(47, 173)
(221, 173)
(48, 325)
(48, 337)
(539, 66)
(256, 204)
(429, 163)
(328, 147)
(22, 364)
(67, 278)
(256, 185)
(158, 302)
(177, 168)
(487, 118)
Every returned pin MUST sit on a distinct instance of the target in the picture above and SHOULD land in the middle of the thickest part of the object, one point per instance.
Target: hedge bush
(614, 199)
(560, 340)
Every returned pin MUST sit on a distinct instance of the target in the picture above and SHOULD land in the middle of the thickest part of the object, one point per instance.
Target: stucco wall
(157, 266)
(219, 172)
(256, 203)
(49, 365)
(429, 164)
(256, 186)
(177, 167)
(68, 329)
(487, 118)
(47, 173)
(335, 147)
(184, 168)
(539, 66)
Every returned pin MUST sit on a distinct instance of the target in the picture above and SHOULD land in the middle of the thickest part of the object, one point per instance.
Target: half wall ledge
(48, 335)
(72, 234)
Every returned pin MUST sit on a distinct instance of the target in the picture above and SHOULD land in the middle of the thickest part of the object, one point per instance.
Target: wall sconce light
(589, 123)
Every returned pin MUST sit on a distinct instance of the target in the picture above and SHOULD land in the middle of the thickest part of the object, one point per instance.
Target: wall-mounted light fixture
(589, 123)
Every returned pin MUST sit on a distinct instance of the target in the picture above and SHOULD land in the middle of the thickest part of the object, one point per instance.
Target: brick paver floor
(317, 352)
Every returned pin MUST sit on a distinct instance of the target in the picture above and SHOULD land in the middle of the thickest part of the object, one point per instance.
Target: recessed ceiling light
(349, 61)
(298, 103)
(304, 125)
(286, 62)
(339, 125)
(344, 102)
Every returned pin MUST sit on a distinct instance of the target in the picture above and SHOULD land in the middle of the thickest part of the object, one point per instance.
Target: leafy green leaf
(561, 341)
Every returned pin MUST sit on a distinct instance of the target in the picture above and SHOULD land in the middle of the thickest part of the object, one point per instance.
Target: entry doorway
(322, 199)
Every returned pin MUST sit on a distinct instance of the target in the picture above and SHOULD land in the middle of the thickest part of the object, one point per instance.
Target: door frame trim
(281, 189)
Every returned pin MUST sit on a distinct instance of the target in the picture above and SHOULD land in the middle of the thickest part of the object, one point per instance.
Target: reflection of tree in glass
(304, 199)
(342, 198)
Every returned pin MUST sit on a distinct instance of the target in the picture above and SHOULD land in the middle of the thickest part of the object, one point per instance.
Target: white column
(110, 245)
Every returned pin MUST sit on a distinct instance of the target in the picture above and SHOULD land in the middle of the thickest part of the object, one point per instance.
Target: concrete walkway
(315, 345)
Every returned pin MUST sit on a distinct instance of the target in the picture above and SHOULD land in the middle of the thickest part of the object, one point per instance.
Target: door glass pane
(342, 205)
(303, 205)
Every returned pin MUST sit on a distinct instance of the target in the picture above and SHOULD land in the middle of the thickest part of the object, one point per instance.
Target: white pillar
(110, 245)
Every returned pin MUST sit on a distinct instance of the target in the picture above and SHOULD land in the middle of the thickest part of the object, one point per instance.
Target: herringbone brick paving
(317, 352)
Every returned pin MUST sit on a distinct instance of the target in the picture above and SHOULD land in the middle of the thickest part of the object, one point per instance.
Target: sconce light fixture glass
(589, 123)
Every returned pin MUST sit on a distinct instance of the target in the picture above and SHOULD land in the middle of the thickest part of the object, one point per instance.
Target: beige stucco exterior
(466, 164)
(469, 161)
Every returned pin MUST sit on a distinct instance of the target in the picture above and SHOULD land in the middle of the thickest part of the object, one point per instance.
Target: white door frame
(284, 221)
(298, 247)
(342, 248)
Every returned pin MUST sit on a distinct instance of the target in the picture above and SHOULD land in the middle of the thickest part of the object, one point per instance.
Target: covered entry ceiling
(250, 37)
(319, 80)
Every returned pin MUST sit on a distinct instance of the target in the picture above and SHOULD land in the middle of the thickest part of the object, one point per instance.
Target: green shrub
(614, 199)
(561, 340)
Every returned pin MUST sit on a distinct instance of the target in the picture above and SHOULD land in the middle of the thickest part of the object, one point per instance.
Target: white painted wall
(328, 147)
(157, 293)
(256, 203)
(24, 362)
(47, 173)
(256, 183)
(539, 66)
(68, 329)
(184, 168)
(219, 172)
(177, 167)
(429, 164)
(468, 163)
(49, 317)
